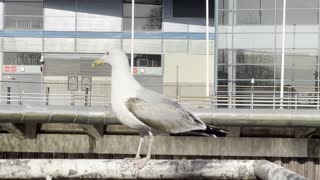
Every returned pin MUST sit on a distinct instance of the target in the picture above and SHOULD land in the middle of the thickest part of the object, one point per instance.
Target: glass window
(222, 72)
(225, 4)
(255, 17)
(192, 8)
(21, 58)
(254, 57)
(255, 4)
(146, 60)
(301, 72)
(299, 17)
(255, 71)
(23, 15)
(148, 17)
(299, 3)
(225, 17)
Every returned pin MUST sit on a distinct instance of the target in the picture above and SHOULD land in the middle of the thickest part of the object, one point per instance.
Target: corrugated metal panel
(59, 45)
(97, 45)
(74, 64)
(23, 44)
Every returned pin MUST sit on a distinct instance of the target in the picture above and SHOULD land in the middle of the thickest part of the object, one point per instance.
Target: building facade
(169, 44)
(69, 34)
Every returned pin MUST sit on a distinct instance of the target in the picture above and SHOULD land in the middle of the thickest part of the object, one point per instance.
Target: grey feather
(162, 114)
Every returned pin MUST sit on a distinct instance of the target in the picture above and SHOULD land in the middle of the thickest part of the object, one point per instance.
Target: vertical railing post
(318, 100)
(8, 95)
(290, 97)
(86, 97)
(21, 98)
(212, 99)
(296, 100)
(252, 92)
(72, 98)
(274, 99)
(177, 83)
(230, 100)
(47, 96)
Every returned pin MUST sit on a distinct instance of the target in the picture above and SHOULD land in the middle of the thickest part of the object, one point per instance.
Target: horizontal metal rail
(104, 115)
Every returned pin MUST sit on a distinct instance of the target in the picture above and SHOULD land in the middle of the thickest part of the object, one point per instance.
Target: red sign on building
(135, 70)
(10, 69)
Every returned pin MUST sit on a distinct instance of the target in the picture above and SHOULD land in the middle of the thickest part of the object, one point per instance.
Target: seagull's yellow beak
(97, 62)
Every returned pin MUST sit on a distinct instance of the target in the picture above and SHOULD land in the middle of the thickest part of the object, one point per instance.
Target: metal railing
(243, 97)
(23, 22)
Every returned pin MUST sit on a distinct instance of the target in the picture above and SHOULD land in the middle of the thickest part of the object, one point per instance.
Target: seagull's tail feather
(212, 131)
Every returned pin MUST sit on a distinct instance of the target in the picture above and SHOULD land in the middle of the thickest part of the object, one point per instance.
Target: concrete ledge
(155, 169)
(166, 145)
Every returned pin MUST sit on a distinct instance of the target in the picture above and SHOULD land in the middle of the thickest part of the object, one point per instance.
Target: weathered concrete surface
(267, 170)
(155, 169)
(103, 115)
(166, 145)
(125, 169)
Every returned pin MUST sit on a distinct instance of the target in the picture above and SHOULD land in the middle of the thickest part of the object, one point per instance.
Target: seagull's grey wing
(162, 114)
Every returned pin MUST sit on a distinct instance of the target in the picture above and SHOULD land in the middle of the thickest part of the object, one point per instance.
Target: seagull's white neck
(123, 83)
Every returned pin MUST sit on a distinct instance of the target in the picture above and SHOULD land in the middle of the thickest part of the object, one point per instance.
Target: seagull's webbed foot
(140, 163)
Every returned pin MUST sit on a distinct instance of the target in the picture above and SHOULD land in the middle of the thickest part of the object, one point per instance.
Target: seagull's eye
(107, 53)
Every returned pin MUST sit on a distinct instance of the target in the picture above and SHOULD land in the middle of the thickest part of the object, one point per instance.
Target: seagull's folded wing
(163, 115)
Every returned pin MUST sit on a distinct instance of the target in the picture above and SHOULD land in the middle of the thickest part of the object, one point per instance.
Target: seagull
(146, 111)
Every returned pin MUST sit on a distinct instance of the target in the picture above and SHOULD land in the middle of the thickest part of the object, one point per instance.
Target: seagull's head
(110, 57)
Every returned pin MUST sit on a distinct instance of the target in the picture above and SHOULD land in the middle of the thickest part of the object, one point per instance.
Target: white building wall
(59, 15)
(175, 46)
(22, 44)
(200, 47)
(143, 45)
(99, 15)
(59, 45)
(97, 45)
(1, 12)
